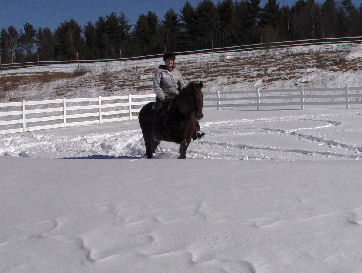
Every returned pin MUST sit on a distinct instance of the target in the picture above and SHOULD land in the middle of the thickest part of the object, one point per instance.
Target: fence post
(78, 59)
(1, 66)
(302, 99)
(24, 117)
(218, 100)
(64, 112)
(100, 108)
(347, 97)
(38, 59)
(258, 99)
(212, 47)
(120, 56)
(130, 105)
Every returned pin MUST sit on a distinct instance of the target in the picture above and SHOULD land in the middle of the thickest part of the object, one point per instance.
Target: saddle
(160, 105)
(162, 113)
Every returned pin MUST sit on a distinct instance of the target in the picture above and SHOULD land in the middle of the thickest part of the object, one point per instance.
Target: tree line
(203, 26)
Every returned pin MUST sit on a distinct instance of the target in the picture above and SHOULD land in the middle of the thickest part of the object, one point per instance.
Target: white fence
(297, 98)
(48, 114)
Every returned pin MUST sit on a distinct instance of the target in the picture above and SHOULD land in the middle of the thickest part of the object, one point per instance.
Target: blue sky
(50, 13)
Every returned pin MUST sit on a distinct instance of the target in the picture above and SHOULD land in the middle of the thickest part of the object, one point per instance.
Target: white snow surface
(281, 135)
(263, 191)
(273, 191)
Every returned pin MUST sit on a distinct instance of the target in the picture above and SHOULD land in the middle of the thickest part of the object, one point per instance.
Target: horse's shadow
(105, 157)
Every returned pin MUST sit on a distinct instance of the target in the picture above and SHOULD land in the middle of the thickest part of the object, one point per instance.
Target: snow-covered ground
(180, 216)
(280, 135)
(304, 66)
(287, 199)
(264, 191)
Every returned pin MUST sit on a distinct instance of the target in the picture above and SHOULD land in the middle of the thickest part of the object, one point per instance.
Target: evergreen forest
(206, 25)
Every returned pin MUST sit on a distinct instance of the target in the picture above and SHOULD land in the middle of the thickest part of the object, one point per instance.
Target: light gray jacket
(166, 84)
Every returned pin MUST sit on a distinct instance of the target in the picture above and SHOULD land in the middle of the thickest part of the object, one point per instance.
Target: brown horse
(178, 124)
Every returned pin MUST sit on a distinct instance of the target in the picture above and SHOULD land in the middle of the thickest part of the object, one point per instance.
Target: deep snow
(281, 135)
(264, 191)
(292, 204)
(180, 216)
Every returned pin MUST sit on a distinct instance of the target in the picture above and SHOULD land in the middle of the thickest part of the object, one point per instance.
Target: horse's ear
(201, 84)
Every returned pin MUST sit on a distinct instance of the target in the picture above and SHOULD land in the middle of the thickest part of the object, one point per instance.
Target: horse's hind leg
(148, 143)
(183, 148)
(155, 145)
(151, 146)
(149, 152)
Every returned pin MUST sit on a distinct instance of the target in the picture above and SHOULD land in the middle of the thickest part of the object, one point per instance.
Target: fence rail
(238, 48)
(29, 116)
(298, 97)
(49, 114)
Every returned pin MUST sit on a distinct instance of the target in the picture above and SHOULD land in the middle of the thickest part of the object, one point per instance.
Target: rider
(167, 83)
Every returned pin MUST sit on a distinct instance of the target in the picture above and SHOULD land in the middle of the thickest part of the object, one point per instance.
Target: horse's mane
(190, 87)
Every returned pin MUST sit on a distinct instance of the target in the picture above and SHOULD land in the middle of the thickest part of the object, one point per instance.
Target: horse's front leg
(183, 148)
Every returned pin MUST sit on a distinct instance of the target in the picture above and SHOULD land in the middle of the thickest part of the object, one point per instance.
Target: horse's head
(191, 99)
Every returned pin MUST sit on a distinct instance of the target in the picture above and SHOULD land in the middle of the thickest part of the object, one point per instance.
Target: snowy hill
(302, 66)
(263, 191)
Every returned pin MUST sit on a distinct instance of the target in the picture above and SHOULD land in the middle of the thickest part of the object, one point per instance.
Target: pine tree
(312, 24)
(69, 41)
(4, 46)
(270, 22)
(125, 28)
(301, 21)
(207, 18)
(270, 14)
(146, 34)
(113, 33)
(188, 27)
(171, 29)
(224, 29)
(245, 21)
(102, 42)
(351, 22)
(46, 44)
(285, 23)
(329, 19)
(117, 31)
(91, 51)
(27, 41)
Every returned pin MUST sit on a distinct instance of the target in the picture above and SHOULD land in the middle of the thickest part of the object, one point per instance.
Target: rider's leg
(156, 120)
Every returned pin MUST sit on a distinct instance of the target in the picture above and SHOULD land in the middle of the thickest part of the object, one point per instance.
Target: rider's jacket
(167, 82)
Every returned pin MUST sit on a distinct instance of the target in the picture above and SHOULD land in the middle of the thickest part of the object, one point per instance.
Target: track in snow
(270, 135)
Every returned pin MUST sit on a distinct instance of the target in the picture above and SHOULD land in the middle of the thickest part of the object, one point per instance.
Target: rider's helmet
(169, 56)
